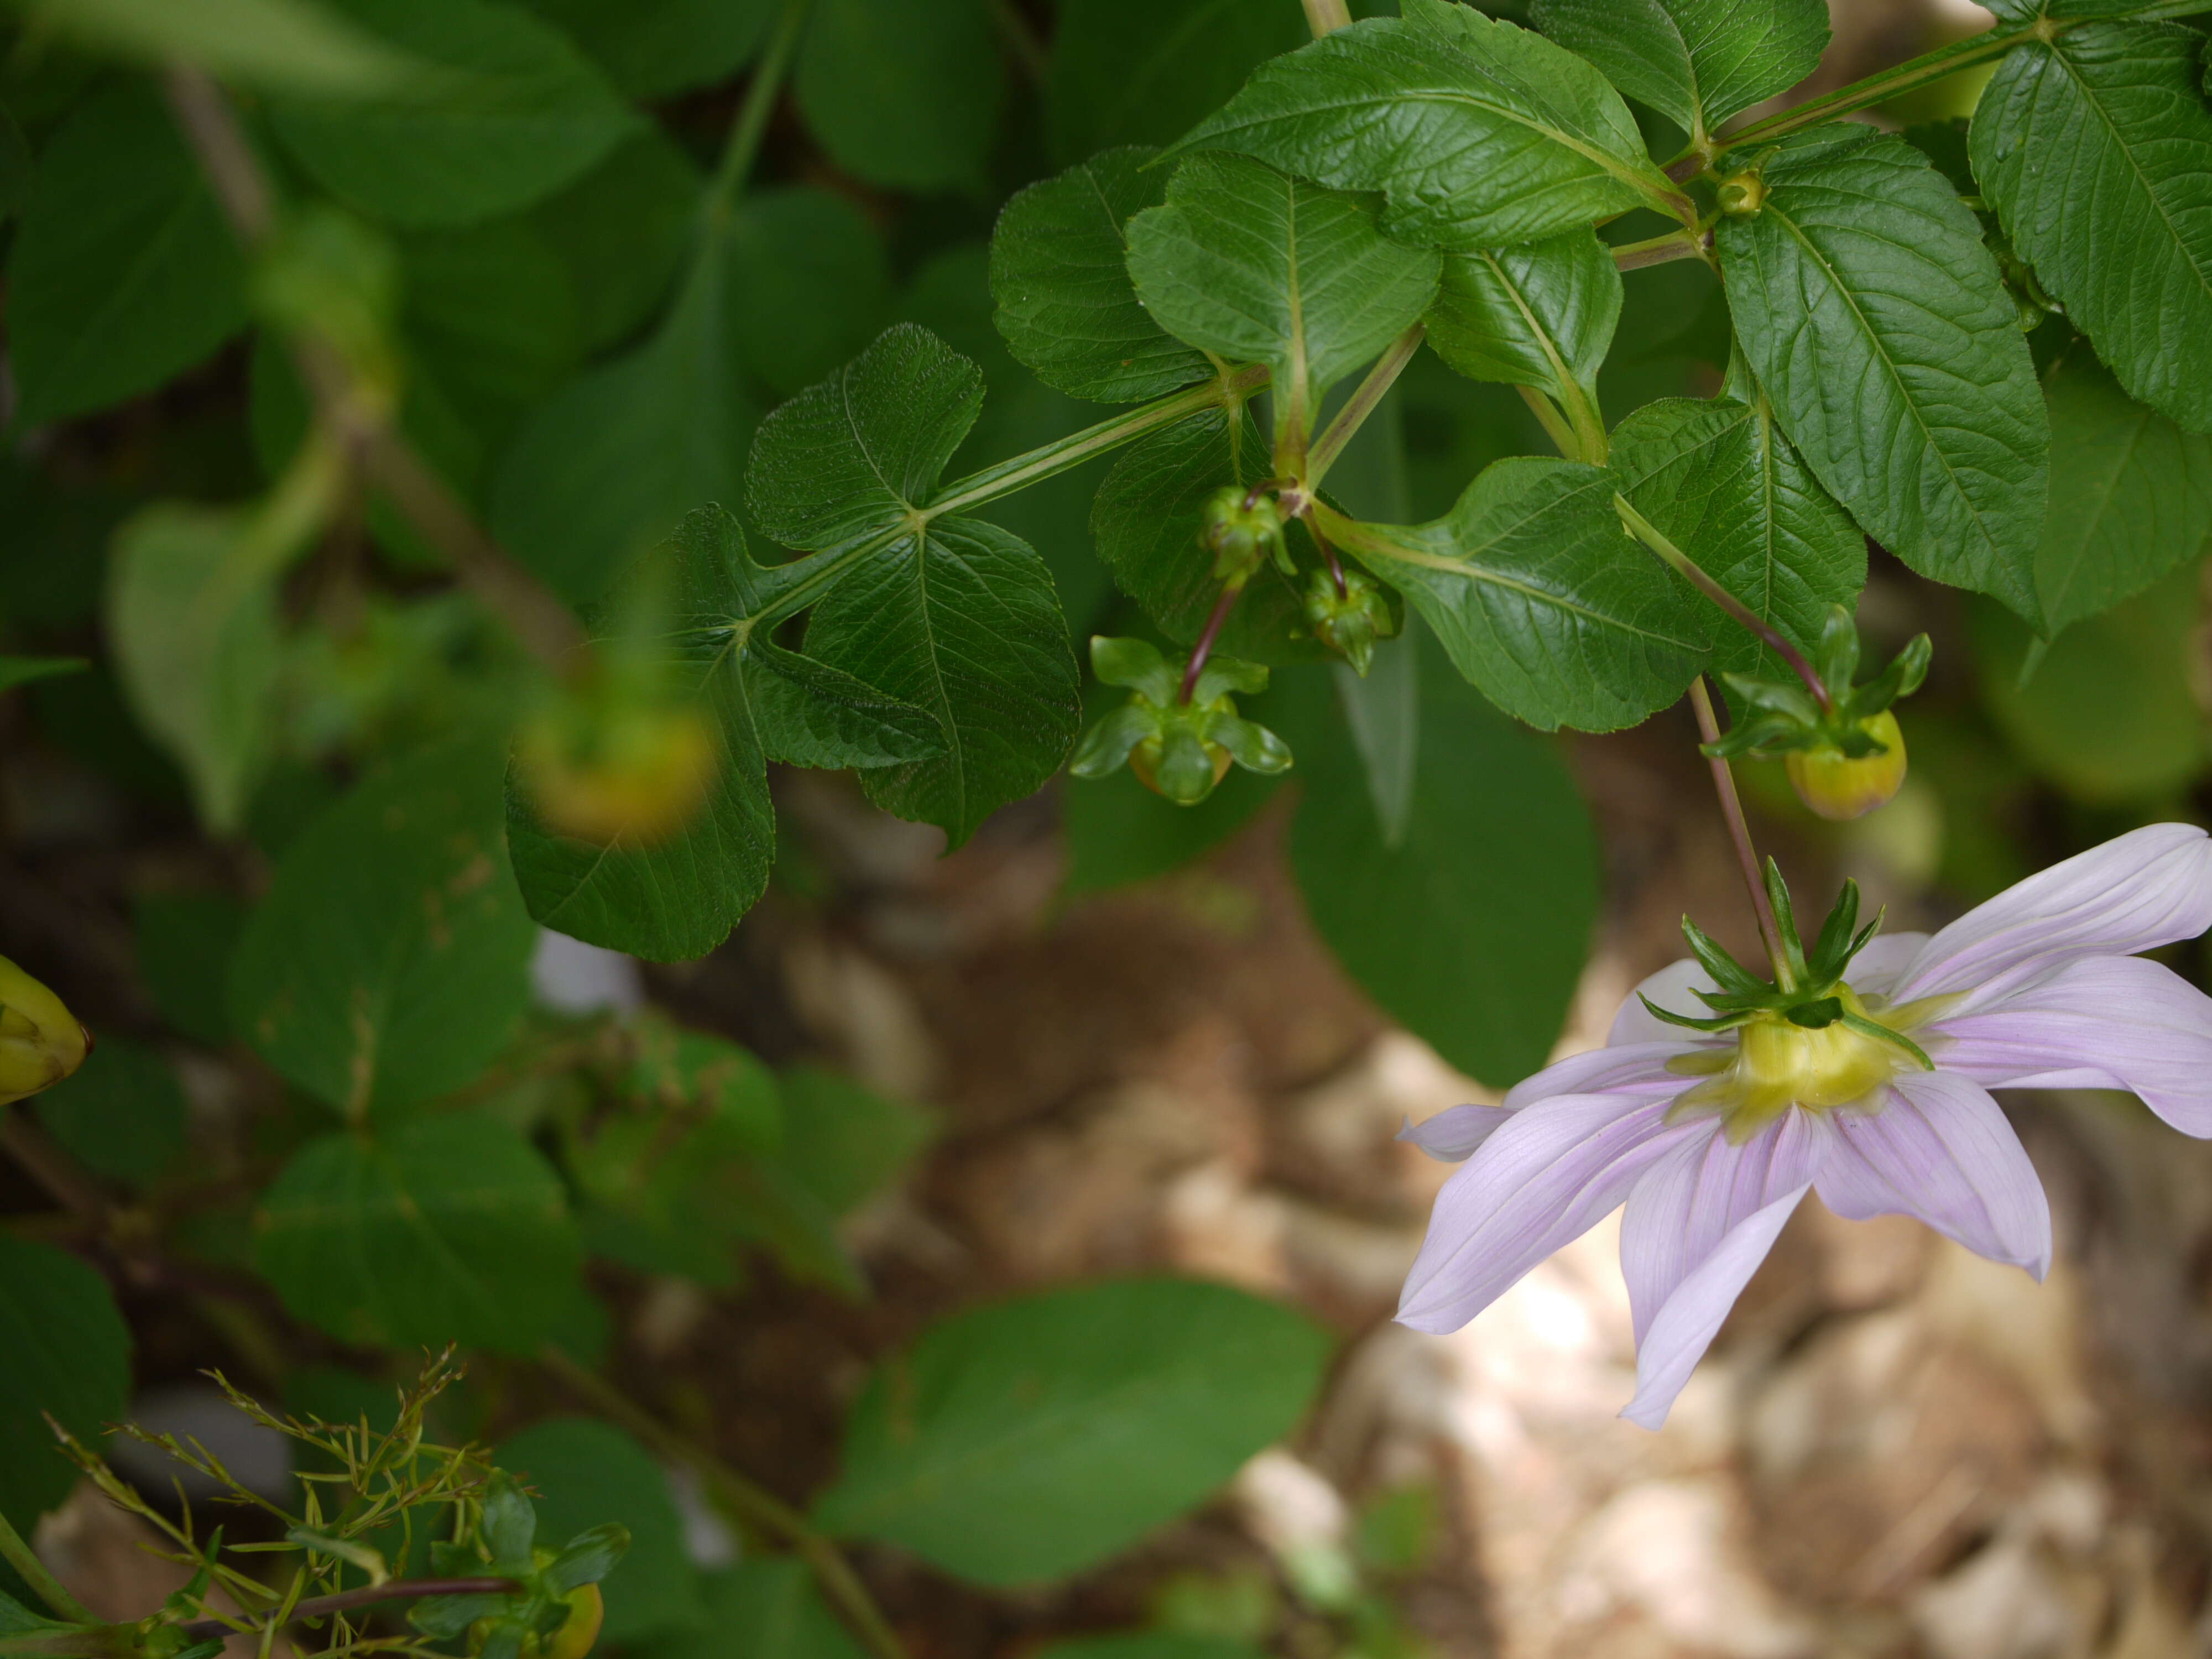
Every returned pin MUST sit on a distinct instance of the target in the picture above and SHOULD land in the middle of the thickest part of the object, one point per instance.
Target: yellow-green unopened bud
(1837, 786)
(1744, 194)
(40, 1041)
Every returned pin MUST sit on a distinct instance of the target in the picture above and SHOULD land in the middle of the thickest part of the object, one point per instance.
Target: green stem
(1363, 403)
(19, 1555)
(1674, 245)
(1891, 82)
(1747, 856)
(743, 149)
(746, 1503)
(1693, 573)
(1555, 425)
(369, 1596)
(1326, 17)
(1022, 40)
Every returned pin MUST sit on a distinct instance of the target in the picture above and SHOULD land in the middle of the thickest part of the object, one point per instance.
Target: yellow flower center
(1775, 1065)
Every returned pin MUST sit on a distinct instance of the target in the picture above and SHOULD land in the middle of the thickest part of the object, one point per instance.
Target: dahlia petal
(1455, 1135)
(1689, 1202)
(1693, 1315)
(1635, 1067)
(1541, 1179)
(2147, 888)
(2097, 1023)
(1672, 988)
(1939, 1149)
(1875, 969)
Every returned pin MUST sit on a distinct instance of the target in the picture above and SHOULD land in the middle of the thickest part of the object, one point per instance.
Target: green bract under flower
(1803, 1037)
(1178, 747)
(1350, 623)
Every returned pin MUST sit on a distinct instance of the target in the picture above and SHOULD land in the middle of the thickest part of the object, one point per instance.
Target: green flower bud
(1841, 786)
(1240, 534)
(1349, 624)
(1742, 195)
(1177, 749)
(40, 1041)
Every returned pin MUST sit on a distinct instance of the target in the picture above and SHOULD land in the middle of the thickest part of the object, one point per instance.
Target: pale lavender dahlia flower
(1866, 1080)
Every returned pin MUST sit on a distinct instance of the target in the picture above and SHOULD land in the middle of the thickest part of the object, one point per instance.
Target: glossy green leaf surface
(1719, 480)
(1697, 62)
(1541, 315)
(1477, 132)
(904, 94)
(1038, 1437)
(1060, 276)
(1145, 71)
(587, 1473)
(1538, 598)
(519, 112)
(676, 897)
(2130, 494)
(2096, 150)
(390, 959)
(124, 270)
(68, 1352)
(1468, 927)
(1874, 319)
(440, 1229)
(1252, 265)
(953, 615)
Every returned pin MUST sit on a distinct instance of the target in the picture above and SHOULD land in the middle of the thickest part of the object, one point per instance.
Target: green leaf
(123, 272)
(1697, 62)
(1146, 519)
(294, 46)
(953, 614)
(191, 610)
(608, 467)
(588, 1474)
(621, 231)
(15, 1618)
(808, 285)
(2096, 150)
(1876, 322)
(122, 1113)
(1118, 832)
(652, 49)
(842, 1141)
(1478, 133)
(448, 1229)
(904, 93)
(1538, 316)
(1060, 274)
(185, 946)
(1540, 601)
(1719, 480)
(764, 1607)
(678, 897)
(1472, 928)
(1382, 712)
(68, 1352)
(1037, 1437)
(1241, 261)
(21, 671)
(1145, 71)
(489, 309)
(516, 113)
(391, 958)
(2130, 494)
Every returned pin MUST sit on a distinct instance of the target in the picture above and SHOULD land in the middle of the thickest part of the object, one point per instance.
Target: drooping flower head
(1861, 1071)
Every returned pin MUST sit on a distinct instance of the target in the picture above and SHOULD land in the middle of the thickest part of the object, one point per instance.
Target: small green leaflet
(1145, 71)
(2130, 494)
(1876, 322)
(650, 49)
(621, 231)
(587, 1473)
(123, 272)
(1035, 1439)
(1470, 926)
(2096, 150)
(1723, 484)
(442, 1229)
(1540, 316)
(1145, 520)
(904, 93)
(678, 897)
(1478, 133)
(517, 112)
(1256, 267)
(808, 285)
(766, 1606)
(391, 958)
(1059, 276)
(1540, 600)
(68, 1352)
(951, 614)
(1697, 62)
(297, 45)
